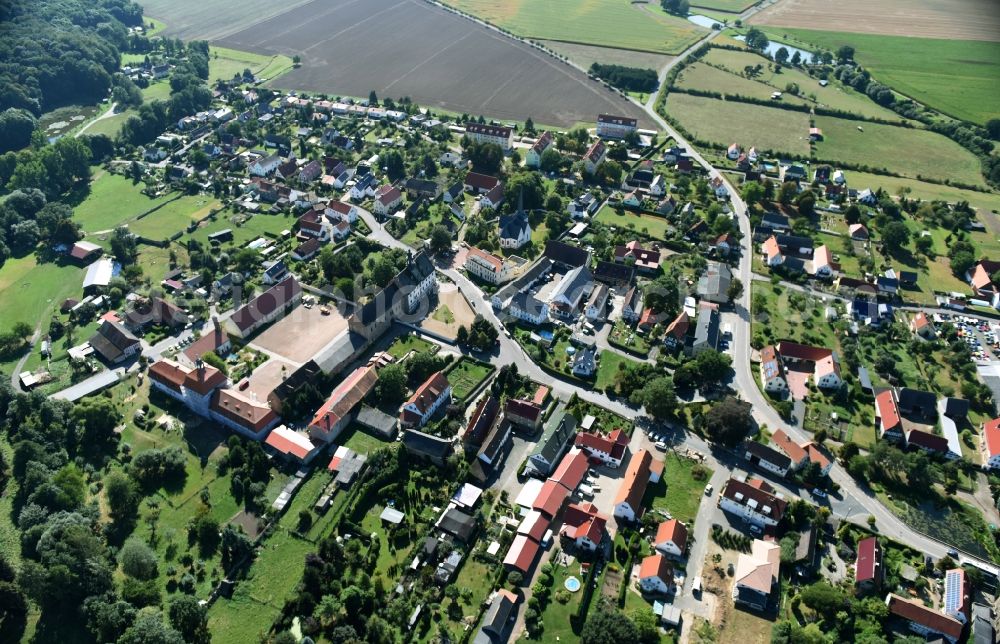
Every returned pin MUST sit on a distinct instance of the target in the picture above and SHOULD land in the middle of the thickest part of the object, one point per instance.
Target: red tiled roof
(344, 398)
(869, 560)
(168, 373)
(888, 410)
(266, 303)
(204, 378)
(288, 441)
(991, 435)
(816, 455)
(758, 491)
(551, 498)
(636, 478)
(341, 207)
(572, 468)
(791, 449)
(522, 408)
(796, 351)
(656, 566)
(495, 262)
(583, 520)
(673, 531)
(927, 440)
(771, 248)
(481, 181)
(522, 553)
(679, 327)
(540, 395)
(600, 443)
(534, 525)
(242, 410)
(927, 617)
(426, 395)
(211, 341)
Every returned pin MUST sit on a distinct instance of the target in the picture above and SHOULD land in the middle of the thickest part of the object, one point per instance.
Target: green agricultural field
(653, 226)
(957, 77)
(723, 122)
(907, 151)
(729, 6)
(712, 79)
(466, 376)
(833, 96)
(607, 23)
(111, 125)
(112, 200)
(224, 63)
(29, 289)
(174, 217)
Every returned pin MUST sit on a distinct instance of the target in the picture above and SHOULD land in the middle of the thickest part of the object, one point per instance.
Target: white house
(265, 165)
(486, 133)
(610, 449)
(628, 501)
(191, 387)
(615, 127)
(342, 210)
(387, 198)
(427, 399)
(488, 267)
(656, 574)
(671, 538)
(533, 158)
(755, 502)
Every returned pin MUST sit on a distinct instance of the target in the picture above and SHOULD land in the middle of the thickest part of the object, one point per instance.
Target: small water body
(773, 47)
(703, 21)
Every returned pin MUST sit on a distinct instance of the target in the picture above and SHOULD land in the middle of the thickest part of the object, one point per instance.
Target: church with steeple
(514, 229)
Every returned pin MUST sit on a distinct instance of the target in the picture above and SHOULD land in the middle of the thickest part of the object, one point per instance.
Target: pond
(703, 21)
(773, 47)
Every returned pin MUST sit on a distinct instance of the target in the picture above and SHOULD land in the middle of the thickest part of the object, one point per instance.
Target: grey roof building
(706, 330)
(713, 285)
(558, 430)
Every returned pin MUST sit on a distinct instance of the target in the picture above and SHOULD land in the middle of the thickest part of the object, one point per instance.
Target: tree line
(632, 79)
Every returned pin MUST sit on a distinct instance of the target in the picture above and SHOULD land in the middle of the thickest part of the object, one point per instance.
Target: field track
(954, 19)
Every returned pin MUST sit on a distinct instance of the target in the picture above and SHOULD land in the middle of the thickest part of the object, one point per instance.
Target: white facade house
(265, 165)
(615, 127)
(656, 574)
(427, 399)
(488, 267)
(533, 158)
(755, 502)
(484, 133)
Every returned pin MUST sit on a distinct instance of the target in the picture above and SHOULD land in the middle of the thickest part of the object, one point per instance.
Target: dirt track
(955, 19)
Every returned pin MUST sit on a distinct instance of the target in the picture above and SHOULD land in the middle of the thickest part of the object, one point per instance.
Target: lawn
(473, 578)
(157, 91)
(678, 491)
(111, 201)
(224, 63)
(656, 227)
(606, 23)
(607, 369)
(704, 77)
(111, 125)
(957, 77)
(355, 437)
(245, 228)
(908, 151)
(466, 376)
(922, 190)
(406, 343)
(788, 315)
(556, 615)
(258, 598)
(624, 336)
(724, 122)
(174, 217)
(420, 232)
(834, 95)
(29, 289)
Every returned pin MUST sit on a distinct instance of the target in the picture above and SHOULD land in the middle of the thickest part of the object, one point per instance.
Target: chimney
(215, 323)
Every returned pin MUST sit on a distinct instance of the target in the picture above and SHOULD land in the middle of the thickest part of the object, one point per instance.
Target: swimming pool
(545, 335)
(572, 584)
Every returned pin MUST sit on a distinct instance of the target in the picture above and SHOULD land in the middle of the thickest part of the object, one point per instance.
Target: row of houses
(785, 455)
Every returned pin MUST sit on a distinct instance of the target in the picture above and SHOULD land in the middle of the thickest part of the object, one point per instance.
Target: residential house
(772, 252)
(628, 501)
(858, 232)
(888, 421)
(489, 267)
(485, 133)
(923, 620)
(212, 339)
(484, 417)
(649, 320)
(533, 158)
(632, 305)
(921, 325)
(595, 156)
(656, 574)
(658, 187)
(502, 610)
(387, 199)
(585, 362)
(242, 413)
(714, 283)
(264, 166)
(822, 264)
(754, 501)
(772, 371)
(425, 188)
(338, 410)
(553, 442)
(823, 363)
(615, 127)
(957, 595)
(114, 343)
(314, 224)
(566, 298)
(766, 458)
(191, 387)
(644, 260)
(868, 570)
(526, 307)
(706, 330)
(671, 538)
(757, 575)
(981, 280)
(307, 249)
(617, 276)
(733, 151)
(265, 308)
(523, 413)
(84, 251)
(609, 450)
(990, 444)
(675, 335)
(427, 399)
(154, 311)
(597, 304)
(718, 186)
(584, 526)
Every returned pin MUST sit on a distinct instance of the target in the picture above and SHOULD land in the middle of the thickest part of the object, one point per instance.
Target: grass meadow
(466, 376)
(723, 122)
(174, 217)
(653, 226)
(112, 201)
(607, 23)
(957, 77)
(224, 63)
(729, 6)
(908, 151)
(28, 289)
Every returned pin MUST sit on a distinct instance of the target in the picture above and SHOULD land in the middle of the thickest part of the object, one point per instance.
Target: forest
(631, 79)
